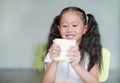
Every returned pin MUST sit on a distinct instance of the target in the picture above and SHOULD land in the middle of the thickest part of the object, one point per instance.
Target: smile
(70, 36)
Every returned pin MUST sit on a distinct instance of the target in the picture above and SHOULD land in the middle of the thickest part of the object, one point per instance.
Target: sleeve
(86, 59)
(47, 58)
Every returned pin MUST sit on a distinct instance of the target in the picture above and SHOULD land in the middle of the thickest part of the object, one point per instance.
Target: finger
(56, 53)
(53, 55)
(72, 53)
(74, 49)
(72, 59)
(56, 47)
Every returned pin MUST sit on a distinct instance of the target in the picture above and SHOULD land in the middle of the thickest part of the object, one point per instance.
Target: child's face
(72, 26)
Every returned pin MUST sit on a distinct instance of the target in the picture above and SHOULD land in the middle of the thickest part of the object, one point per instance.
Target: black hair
(90, 42)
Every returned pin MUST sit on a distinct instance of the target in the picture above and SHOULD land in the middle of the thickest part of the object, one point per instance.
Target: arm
(50, 73)
(88, 76)
(51, 67)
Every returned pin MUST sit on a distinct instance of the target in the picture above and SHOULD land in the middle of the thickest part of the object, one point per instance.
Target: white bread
(65, 44)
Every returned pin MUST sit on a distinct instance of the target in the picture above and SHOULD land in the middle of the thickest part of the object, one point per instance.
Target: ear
(59, 28)
(85, 29)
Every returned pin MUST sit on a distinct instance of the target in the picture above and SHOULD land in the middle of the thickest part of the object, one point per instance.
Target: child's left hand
(74, 55)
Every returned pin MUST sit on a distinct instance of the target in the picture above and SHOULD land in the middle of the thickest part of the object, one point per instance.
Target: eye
(64, 25)
(75, 25)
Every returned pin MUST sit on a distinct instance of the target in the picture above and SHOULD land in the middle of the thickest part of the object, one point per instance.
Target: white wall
(25, 22)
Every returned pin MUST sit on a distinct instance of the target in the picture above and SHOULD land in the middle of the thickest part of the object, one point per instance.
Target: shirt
(65, 72)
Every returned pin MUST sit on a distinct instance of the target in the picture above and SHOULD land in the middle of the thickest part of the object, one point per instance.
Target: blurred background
(27, 22)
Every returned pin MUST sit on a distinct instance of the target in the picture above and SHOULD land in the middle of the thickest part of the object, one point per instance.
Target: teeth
(70, 36)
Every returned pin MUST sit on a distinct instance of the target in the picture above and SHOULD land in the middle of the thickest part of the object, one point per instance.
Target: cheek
(62, 31)
(80, 32)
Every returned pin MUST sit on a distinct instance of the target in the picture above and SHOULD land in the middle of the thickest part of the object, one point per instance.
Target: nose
(70, 29)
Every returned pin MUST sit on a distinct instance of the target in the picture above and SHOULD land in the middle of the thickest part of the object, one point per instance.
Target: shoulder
(47, 58)
(85, 60)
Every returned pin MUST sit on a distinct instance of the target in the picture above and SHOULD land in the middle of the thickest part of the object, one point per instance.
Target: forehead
(71, 15)
(71, 12)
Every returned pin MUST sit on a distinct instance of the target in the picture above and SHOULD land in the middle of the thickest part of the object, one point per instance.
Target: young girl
(85, 57)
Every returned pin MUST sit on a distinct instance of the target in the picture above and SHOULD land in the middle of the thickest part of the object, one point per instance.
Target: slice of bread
(65, 44)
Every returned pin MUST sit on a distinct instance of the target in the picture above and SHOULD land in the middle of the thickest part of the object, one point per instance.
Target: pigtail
(91, 43)
(54, 32)
(94, 42)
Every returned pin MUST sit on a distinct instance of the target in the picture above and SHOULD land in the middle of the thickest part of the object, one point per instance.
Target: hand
(54, 50)
(74, 55)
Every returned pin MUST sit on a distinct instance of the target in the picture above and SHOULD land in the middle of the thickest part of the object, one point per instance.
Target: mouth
(70, 36)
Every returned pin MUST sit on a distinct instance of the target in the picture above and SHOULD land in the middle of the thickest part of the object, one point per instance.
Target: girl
(85, 57)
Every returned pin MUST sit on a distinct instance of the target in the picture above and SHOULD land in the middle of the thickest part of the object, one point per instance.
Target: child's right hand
(54, 51)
